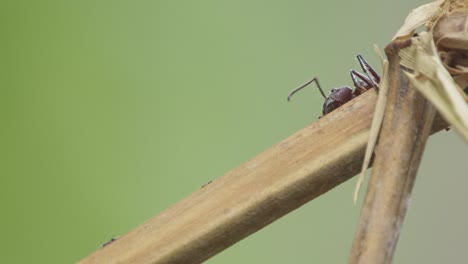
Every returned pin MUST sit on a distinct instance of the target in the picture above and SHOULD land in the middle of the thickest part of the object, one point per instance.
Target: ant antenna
(304, 85)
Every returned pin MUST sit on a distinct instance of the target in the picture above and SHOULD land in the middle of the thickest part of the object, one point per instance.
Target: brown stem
(300, 168)
(406, 126)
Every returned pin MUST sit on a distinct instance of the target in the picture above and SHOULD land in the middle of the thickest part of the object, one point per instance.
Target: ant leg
(358, 77)
(361, 82)
(367, 68)
(304, 85)
(374, 77)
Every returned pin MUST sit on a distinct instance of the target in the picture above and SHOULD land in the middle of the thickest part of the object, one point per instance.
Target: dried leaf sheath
(281, 179)
(408, 118)
(375, 128)
(431, 78)
(406, 126)
(439, 61)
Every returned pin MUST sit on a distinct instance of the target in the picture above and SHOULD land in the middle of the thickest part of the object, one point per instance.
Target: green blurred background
(112, 111)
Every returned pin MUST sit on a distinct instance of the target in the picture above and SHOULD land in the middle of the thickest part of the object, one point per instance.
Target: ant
(342, 95)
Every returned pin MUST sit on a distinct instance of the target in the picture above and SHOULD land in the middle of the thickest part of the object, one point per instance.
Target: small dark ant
(340, 96)
(110, 241)
(206, 184)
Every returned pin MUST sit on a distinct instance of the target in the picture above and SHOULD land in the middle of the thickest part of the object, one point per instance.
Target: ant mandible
(340, 96)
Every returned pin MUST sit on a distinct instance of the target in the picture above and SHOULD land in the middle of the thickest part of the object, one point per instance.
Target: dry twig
(281, 179)
(407, 122)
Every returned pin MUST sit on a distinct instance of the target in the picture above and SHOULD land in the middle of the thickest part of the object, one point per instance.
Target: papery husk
(426, 14)
(375, 127)
(429, 75)
(419, 17)
(450, 30)
(451, 41)
(439, 57)
(448, 20)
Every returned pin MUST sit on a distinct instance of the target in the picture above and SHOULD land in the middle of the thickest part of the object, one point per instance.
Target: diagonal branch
(300, 168)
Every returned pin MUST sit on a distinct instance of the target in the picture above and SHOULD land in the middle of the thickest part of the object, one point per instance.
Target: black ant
(340, 96)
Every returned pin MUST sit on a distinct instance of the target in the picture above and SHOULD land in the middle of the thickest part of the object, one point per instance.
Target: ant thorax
(338, 97)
